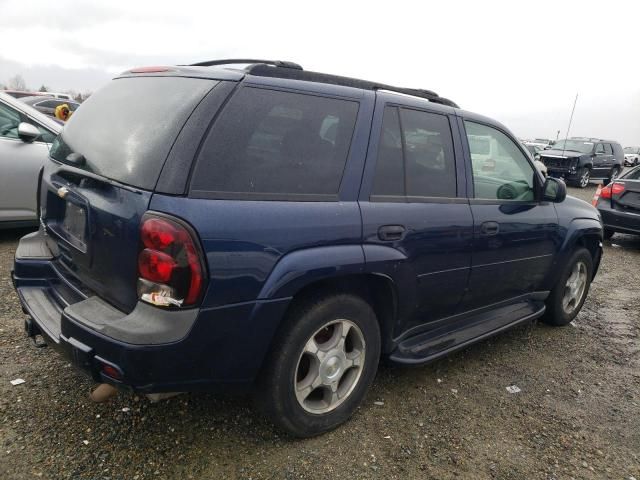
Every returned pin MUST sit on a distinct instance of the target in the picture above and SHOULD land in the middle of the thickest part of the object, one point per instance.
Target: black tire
(615, 173)
(276, 392)
(608, 233)
(555, 314)
(583, 179)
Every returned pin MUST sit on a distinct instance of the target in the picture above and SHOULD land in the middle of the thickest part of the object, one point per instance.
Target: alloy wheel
(584, 179)
(329, 366)
(575, 288)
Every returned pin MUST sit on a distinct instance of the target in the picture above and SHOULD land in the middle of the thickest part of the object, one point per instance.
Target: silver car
(25, 138)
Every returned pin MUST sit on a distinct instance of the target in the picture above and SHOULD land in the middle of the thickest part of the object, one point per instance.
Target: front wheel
(585, 176)
(568, 296)
(322, 365)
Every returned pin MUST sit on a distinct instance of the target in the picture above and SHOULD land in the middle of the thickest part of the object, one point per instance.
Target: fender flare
(300, 268)
(577, 229)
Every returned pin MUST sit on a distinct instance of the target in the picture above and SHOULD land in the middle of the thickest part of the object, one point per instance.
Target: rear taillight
(170, 264)
(610, 190)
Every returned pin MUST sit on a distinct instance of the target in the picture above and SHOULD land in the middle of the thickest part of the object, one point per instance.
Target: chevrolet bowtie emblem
(62, 192)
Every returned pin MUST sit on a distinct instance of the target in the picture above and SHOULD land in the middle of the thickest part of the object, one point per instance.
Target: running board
(433, 344)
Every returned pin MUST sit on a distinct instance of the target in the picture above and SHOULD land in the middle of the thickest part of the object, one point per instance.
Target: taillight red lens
(613, 189)
(617, 188)
(155, 266)
(170, 261)
(158, 234)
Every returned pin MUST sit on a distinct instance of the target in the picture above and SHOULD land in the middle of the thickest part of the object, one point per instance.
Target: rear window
(126, 129)
(271, 144)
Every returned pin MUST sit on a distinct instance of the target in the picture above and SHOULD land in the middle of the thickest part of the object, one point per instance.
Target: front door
(20, 163)
(515, 234)
(416, 228)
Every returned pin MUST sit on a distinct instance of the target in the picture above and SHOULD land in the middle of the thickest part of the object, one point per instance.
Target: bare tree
(17, 83)
(43, 88)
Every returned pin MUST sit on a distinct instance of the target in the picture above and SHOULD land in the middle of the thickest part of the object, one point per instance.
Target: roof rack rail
(232, 61)
(263, 70)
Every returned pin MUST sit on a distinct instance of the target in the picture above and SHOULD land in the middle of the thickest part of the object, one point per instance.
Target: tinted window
(607, 149)
(389, 177)
(274, 144)
(9, 121)
(126, 129)
(428, 150)
(632, 174)
(425, 141)
(500, 169)
(48, 104)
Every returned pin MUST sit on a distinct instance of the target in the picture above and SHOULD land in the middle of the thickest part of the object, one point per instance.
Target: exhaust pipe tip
(103, 392)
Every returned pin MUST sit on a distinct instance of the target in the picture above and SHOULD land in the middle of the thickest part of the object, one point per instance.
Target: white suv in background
(631, 156)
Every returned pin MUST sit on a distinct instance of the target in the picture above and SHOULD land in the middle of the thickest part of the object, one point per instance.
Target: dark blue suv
(249, 224)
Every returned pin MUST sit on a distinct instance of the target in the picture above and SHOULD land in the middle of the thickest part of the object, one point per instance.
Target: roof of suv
(591, 139)
(285, 70)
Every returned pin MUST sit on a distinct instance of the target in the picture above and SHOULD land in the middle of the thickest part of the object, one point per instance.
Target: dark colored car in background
(47, 104)
(578, 160)
(619, 204)
(281, 230)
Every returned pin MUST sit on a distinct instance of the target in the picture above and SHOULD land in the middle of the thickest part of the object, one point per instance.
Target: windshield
(574, 146)
(632, 150)
(125, 130)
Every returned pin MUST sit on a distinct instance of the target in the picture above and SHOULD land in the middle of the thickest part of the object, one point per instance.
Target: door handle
(489, 228)
(389, 233)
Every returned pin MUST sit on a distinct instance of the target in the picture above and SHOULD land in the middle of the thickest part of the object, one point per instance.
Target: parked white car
(25, 138)
(631, 156)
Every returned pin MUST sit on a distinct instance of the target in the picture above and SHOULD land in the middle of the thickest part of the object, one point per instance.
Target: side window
(428, 149)
(600, 149)
(276, 144)
(389, 177)
(607, 149)
(45, 135)
(415, 155)
(500, 169)
(48, 104)
(9, 121)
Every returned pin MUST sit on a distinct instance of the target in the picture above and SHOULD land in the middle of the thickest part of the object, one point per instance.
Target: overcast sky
(521, 62)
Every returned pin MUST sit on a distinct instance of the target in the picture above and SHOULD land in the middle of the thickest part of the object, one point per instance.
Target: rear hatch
(629, 199)
(103, 170)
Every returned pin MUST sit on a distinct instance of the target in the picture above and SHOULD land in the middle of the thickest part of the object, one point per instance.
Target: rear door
(104, 168)
(515, 235)
(600, 168)
(417, 224)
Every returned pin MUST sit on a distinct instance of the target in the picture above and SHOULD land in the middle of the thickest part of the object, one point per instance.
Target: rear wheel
(615, 173)
(568, 296)
(322, 365)
(585, 176)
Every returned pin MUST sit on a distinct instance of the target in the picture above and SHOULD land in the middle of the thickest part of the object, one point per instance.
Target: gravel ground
(577, 415)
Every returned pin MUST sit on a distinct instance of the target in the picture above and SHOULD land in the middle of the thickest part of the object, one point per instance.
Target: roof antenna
(564, 144)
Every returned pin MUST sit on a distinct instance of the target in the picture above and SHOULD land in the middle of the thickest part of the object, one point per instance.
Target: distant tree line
(17, 83)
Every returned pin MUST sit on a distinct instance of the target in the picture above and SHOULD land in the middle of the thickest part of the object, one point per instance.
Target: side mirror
(554, 190)
(27, 132)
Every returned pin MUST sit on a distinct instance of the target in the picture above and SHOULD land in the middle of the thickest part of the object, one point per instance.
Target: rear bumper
(151, 349)
(623, 222)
